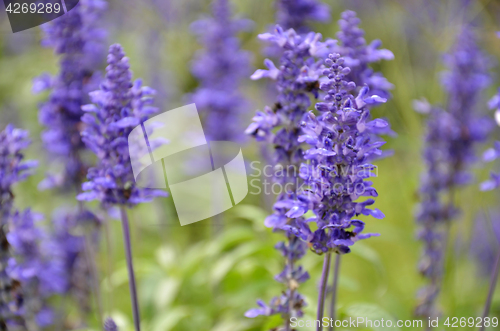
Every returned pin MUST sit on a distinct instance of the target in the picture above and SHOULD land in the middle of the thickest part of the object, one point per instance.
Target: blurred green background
(198, 278)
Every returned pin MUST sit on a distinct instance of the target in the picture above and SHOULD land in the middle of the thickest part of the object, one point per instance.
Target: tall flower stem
(91, 262)
(334, 291)
(109, 252)
(322, 290)
(493, 283)
(291, 302)
(130, 267)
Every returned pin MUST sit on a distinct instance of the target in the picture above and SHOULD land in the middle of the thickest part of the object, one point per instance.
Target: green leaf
(252, 213)
(169, 319)
(228, 261)
(166, 292)
(230, 237)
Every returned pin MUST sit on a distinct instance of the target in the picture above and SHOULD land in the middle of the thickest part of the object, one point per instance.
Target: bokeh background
(201, 277)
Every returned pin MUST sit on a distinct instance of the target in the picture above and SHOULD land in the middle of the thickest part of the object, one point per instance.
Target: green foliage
(199, 278)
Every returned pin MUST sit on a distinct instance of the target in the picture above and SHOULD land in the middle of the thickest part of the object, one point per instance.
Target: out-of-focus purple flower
(72, 231)
(493, 153)
(485, 242)
(467, 76)
(451, 138)
(118, 107)
(359, 55)
(295, 14)
(38, 265)
(77, 39)
(338, 168)
(296, 78)
(220, 67)
(110, 325)
(13, 169)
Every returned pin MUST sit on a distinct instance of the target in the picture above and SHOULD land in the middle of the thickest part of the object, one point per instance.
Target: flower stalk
(130, 268)
(323, 290)
(493, 283)
(336, 271)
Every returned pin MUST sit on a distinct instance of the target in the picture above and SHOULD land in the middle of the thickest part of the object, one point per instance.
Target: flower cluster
(38, 265)
(358, 55)
(294, 14)
(296, 79)
(72, 231)
(110, 325)
(450, 141)
(76, 39)
(118, 107)
(343, 143)
(494, 152)
(484, 241)
(13, 169)
(220, 67)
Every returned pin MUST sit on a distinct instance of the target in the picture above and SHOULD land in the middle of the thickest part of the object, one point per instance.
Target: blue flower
(77, 40)
(296, 79)
(118, 107)
(13, 169)
(493, 153)
(295, 14)
(342, 146)
(359, 55)
(220, 67)
(37, 263)
(452, 135)
(485, 237)
(110, 325)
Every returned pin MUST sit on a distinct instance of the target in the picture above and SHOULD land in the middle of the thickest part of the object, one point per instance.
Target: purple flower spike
(294, 14)
(493, 153)
(110, 325)
(296, 80)
(39, 266)
(359, 55)
(220, 67)
(117, 108)
(13, 169)
(450, 149)
(76, 39)
(342, 146)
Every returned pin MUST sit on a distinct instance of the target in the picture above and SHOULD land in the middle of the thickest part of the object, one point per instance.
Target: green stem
(334, 291)
(322, 291)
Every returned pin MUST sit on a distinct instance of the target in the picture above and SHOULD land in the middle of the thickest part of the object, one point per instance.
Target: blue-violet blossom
(110, 325)
(220, 67)
(359, 55)
(295, 14)
(13, 169)
(342, 140)
(77, 39)
(296, 79)
(450, 141)
(38, 264)
(118, 107)
(493, 153)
